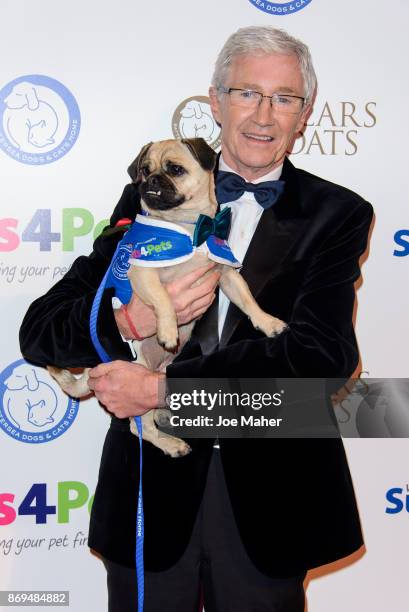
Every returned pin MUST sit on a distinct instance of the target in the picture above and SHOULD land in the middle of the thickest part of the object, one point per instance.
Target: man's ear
(134, 169)
(202, 152)
(215, 104)
(305, 115)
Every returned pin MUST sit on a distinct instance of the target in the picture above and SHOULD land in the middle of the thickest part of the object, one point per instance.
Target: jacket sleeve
(55, 329)
(320, 340)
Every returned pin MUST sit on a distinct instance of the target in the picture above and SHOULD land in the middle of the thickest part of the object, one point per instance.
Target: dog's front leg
(237, 290)
(75, 387)
(146, 284)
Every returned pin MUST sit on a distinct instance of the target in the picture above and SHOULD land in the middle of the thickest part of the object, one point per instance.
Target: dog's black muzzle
(159, 193)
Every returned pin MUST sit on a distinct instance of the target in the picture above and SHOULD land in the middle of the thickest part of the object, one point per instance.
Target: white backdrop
(139, 73)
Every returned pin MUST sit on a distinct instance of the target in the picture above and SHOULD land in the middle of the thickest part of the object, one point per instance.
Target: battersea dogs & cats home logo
(39, 119)
(33, 409)
(193, 119)
(282, 7)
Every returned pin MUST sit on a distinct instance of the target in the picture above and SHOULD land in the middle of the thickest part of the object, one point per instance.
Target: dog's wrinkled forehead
(188, 153)
(161, 154)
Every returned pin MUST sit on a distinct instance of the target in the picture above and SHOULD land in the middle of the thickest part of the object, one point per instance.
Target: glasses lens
(282, 103)
(287, 104)
(245, 97)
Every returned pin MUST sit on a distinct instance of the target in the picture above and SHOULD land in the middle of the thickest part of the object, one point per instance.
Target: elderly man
(237, 523)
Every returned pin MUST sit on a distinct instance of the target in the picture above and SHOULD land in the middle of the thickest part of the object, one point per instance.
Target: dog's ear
(134, 169)
(202, 152)
(32, 98)
(32, 380)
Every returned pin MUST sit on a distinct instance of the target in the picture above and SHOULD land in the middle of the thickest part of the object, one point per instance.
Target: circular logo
(383, 411)
(39, 119)
(120, 265)
(282, 7)
(33, 408)
(193, 119)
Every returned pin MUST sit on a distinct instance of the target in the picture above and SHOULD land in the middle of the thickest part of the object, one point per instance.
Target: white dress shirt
(246, 213)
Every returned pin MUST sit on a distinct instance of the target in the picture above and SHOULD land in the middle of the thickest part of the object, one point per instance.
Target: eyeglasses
(247, 98)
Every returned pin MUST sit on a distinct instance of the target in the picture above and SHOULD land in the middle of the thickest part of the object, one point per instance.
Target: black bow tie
(230, 187)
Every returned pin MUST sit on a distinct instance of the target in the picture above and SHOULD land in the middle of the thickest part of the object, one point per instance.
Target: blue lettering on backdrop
(280, 8)
(397, 502)
(399, 239)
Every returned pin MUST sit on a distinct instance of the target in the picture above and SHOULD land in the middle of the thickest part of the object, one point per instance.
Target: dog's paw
(270, 326)
(60, 375)
(75, 387)
(175, 447)
(132, 427)
(168, 339)
(162, 416)
(53, 371)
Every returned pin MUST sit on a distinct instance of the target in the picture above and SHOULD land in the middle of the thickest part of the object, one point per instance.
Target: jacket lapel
(276, 234)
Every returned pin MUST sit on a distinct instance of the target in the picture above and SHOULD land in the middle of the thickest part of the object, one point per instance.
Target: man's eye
(247, 93)
(285, 100)
(145, 171)
(176, 170)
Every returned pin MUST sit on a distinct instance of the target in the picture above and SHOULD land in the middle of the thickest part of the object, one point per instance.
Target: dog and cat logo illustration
(193, 119)
(29, 119)
(40, 119)
(32, 406)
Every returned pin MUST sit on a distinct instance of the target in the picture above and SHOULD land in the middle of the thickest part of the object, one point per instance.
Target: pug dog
(176, 184)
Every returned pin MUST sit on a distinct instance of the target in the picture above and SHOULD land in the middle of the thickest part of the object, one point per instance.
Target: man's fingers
(203, 302)
(196, 309)
(100, 370)
(187, 281)
(104, 368)
(97, 385)
(199, 312)
(190, 302)
(208, 286)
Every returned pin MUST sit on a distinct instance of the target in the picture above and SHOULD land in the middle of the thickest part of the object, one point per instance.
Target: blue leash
(138, 421)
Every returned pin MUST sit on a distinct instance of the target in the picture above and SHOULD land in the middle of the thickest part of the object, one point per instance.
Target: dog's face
(175, 174)
(23, 376)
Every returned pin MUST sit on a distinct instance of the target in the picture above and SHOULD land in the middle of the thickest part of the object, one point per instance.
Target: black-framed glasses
(283, 103)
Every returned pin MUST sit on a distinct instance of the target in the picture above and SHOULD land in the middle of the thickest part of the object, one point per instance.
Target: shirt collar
(273, 175)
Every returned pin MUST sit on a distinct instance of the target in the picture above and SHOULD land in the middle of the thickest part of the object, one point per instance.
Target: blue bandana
(154, 243)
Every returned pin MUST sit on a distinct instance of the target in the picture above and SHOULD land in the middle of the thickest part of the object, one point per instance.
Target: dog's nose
(153, 180)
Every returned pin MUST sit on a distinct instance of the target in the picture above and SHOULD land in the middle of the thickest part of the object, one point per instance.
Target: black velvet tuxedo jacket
(293, 499)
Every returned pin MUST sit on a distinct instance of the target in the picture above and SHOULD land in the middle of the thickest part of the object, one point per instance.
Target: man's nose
(265, 112)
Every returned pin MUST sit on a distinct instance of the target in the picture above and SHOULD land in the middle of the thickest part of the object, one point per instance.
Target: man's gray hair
(252, 40)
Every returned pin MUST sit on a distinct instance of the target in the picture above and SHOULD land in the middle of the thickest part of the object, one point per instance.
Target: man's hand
(188, 301)
(126, 389)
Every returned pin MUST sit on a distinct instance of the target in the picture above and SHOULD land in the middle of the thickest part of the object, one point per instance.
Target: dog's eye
(145, 171)
(176, 170)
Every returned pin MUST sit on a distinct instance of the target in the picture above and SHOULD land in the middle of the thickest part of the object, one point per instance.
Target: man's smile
(258, 137)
